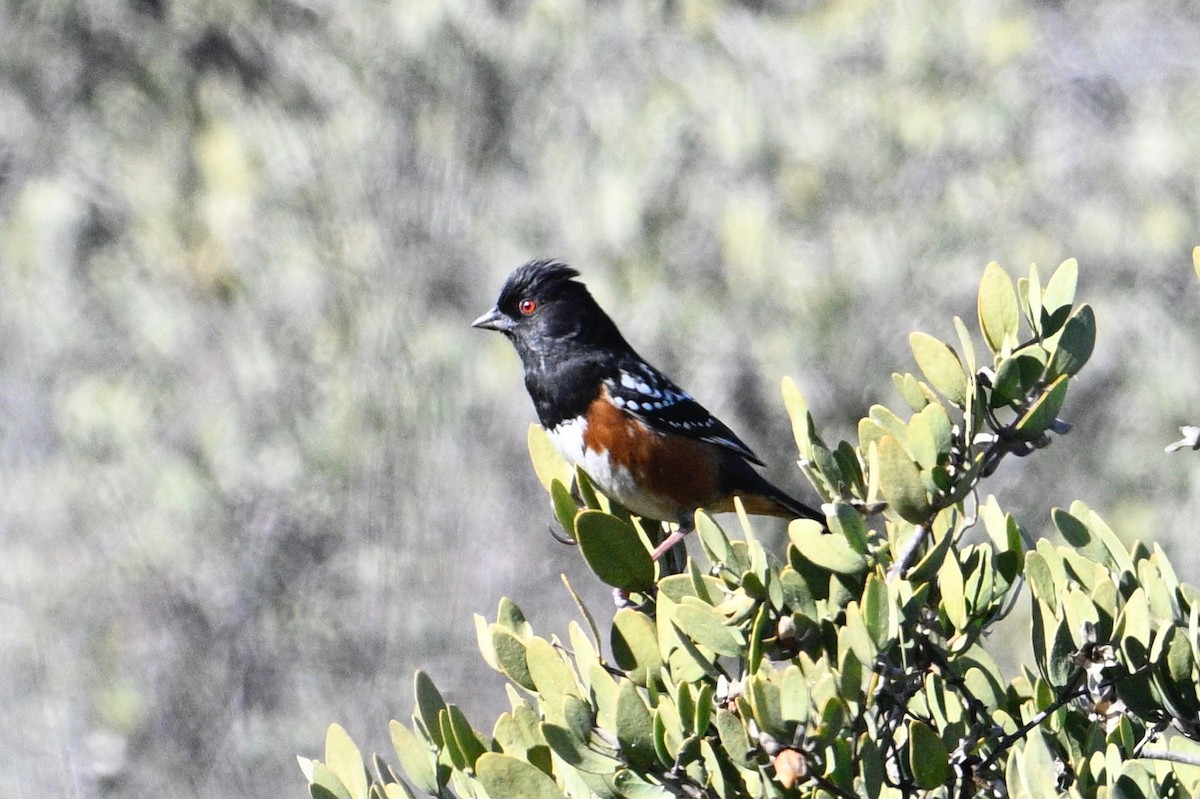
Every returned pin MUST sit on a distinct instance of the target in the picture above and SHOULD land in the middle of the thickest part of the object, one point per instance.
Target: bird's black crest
(539, 279)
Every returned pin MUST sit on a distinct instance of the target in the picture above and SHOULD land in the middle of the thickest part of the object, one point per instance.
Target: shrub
(857, 662)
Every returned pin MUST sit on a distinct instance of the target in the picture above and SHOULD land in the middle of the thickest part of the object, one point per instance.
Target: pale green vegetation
(255, 469)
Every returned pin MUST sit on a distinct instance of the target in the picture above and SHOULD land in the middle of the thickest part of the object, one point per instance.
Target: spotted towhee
(640, 438)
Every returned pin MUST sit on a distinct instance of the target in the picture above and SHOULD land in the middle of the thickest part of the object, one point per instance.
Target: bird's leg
(685, 527)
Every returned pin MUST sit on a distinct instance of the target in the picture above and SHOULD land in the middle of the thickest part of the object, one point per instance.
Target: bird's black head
(543, 310)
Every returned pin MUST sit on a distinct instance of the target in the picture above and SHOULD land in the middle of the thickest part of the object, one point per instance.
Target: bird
(639, 437)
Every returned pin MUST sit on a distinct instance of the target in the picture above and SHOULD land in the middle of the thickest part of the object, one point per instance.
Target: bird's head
(542, 307)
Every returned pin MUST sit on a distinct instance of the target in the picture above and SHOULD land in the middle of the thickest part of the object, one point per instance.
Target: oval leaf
(706, 628)
(614, 551)
(548, 464)
(550, 673)
(940, 365)
(832, 552)
(635, 727)
(1058, 296)
(510, 656)
(506, 777)
(927, 756)
(1041, 414)
(998, 314)
(429, 704)
(635, 645)
(1075, 344)
(417, 757)
(900, 482)
(345, 760)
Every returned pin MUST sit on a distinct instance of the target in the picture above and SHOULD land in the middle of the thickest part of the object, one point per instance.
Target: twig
(1174, 757)
(1074, 691)
(909, 552)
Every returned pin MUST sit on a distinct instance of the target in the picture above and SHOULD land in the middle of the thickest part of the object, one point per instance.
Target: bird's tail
(777, 503)
(762, 498)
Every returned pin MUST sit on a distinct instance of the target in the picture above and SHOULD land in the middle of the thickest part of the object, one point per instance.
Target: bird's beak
(493, 320)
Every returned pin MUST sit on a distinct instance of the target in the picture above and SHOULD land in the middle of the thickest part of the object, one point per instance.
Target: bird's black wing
(646, 393)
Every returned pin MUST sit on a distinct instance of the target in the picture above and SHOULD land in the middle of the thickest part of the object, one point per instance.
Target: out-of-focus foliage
(860, 664)
(244, 430)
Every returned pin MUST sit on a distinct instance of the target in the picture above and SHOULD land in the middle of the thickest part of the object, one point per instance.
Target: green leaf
(941, 366)
(668, 730)
(576, 752)
(506, 777)
(1032, 769)
(735, 742)
(832, 552)
(614, 551)
(928, 757)
(929, 565)
(997, 306)
(635, 727)
(324, 784)
(797, 410)
(855, 636)
(551, 675)
(1074, 344)
(767, 704)
(794, 700)
(699, 622)
(909, 389)
(716, 544)
(1015, 377)
(704, 708)
(900, 481)
(510, 617)
(631, 785)
(967, 345)
(1059, 296)
(635, 645)
(877, 611)
(465, 738)
(929, 436)
(1076, 533)
(954, 600)
(578, 716)
(483, 637)
(850, 466)
(888, 421)
(1029, 294)
(848, 523)
(450, 750)
(565, 506)
(510, 655)
(1041, 414)
(547, 462)
(345, 760)
(417, 759)
(429, 704)
(1116, 550)
(397, 790)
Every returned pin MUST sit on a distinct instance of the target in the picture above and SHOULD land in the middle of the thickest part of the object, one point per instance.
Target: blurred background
(255, 468)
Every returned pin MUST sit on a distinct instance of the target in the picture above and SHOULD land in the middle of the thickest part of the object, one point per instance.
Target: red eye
(527, 306)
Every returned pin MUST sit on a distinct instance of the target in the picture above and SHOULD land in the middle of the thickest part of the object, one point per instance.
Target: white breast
(616, 483)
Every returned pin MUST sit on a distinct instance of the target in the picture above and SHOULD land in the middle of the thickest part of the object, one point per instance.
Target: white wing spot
(633, 406)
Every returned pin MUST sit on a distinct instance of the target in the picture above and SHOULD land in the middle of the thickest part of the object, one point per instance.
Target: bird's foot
(672, 539)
